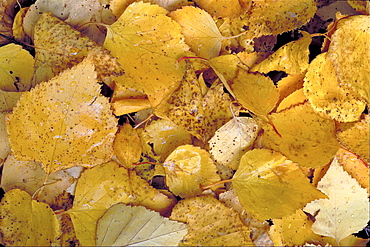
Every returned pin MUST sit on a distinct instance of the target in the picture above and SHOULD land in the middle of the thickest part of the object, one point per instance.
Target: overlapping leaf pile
(212, 146)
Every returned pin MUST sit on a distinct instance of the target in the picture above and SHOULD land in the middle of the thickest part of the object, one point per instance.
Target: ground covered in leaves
(192, 123)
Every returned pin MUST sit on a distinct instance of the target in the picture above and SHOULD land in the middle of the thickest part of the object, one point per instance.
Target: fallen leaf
(187, 168)
(290, 84)
(221, 8)
(123, 225)
(26, 222)
(8, 100)
(295, 98)
(269, 185)
(103, 186)
(232, 140)
(7, 13)
(346, 210)
(4, 140)
(16, 66)
(68, 122)
(211, 223)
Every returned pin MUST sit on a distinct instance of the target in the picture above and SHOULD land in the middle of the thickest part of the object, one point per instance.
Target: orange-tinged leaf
(187, 168)
(26, 222)
(346, 210)
(305, 137)
(123, 225)
(211, 223)
(127, 146)
(269, 185)
(199, 30)
(148, 53)
(232, 140)
(356, 138)
(16, 68)
(349, 51)
(103, 186)
(325, 94)
(64, 122)
(291, 58)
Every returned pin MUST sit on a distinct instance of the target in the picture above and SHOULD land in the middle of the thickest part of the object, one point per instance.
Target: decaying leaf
(349, 51)
(26, 222)
(64, 122)
(325, 94)
(187, 168)
(16, 68)
(103, 186)
(269, 185)
(127, 146)
(211, 223)
(123, 225)
(304, 137)
(346, 210)
(232, 140)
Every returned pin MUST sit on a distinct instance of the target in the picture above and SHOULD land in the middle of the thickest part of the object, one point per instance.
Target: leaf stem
(217, 183)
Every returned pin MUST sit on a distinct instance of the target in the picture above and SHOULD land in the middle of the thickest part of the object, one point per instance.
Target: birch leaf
(26, 222)
(232, 140)
(8, 100)
(123, 225)
(269, 185)
(221, 8)
(64, 122)
(4, 140)
(346, 210)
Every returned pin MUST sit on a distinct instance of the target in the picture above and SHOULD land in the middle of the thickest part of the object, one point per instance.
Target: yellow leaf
(187, 168)
(201, 115)
(64, 122)
(221, 8)
(325, 94)
(290, 84)
(255, 92)
(346, 211)
(127, 146)
(26, 222)
(359, 6)
(271, 186)
(211, 223)
(199, 30)
(305, 137)
(123, 225)
(165, 137)
(125, 101)
(291, 58)
(59, 47)
(8, 100)
(4, 140)
(16, 66)
(291, 100)
(18, 29)
(103, 186)
(356, 138)
(148, 53)
(349, 51)
(232, 140)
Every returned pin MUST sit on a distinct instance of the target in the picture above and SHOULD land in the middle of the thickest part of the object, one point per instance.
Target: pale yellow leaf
(4, 140)
(123, 225)
(8, 100)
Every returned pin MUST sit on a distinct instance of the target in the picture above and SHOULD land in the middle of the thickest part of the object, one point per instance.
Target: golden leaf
(26, 222)
(103, 186)
(187, 168)
(221, 8)
(16, 66)
(148, 53)
(123, 225)
(291, 58)
(211, 223)
(271, 186)
(291, 100)
(127, 146)
(304, 137)
(232, 140)
(4, 140)
(8, 100)
(199, 30)
(289, 84)
(64, 122)
(325, 94)
(349, 51)
(346, 211)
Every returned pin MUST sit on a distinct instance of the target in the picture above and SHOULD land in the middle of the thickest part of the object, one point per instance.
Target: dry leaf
(271, 186)
(211, 223)
(26, 222)
(68, 122)
(187, 168)
(346, 211)
(103, 186)
(123, 225)
(16, 68)
(232, 140)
